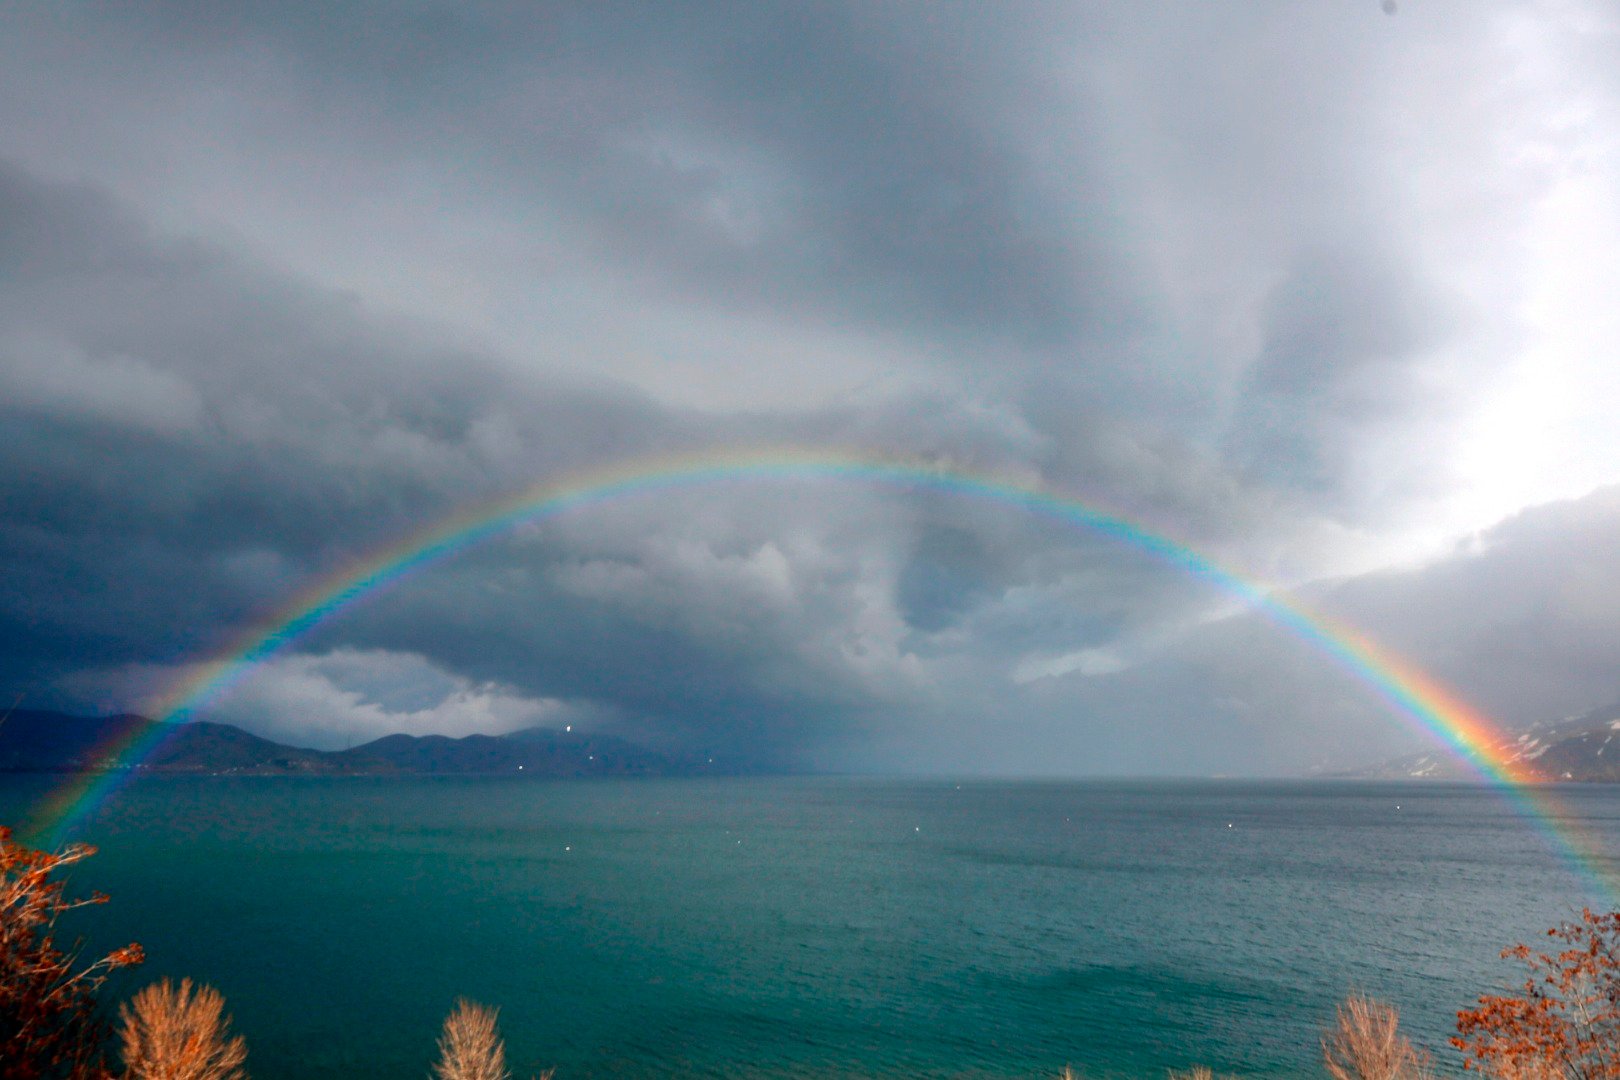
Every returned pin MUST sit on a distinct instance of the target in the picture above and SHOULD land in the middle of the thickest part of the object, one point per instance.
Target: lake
(821, 927)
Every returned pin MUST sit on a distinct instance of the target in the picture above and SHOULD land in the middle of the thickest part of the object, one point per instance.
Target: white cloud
(344, 697)
(1086, 662)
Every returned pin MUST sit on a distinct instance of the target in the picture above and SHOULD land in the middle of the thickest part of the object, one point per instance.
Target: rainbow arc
(1411, 695)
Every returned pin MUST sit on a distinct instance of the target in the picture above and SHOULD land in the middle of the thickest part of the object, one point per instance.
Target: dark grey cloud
(187, 435)
(1085, 204)
(1521, 620)
(277, 285)
(1344, 333)
(301, 428)
(772, 156)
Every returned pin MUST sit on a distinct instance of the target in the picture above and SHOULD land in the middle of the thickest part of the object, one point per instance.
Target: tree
(169, 1033)
(50, 1026)
(470, 1047)
(1565, 1021)
(1365, 1043)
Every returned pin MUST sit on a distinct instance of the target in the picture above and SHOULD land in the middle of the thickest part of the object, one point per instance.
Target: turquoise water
(826, 927)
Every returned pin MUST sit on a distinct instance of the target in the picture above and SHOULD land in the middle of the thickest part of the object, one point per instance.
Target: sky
(1323, 291)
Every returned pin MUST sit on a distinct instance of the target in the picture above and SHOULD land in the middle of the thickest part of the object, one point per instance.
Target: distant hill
(541, 751)
(1579, 748)
(37, 741)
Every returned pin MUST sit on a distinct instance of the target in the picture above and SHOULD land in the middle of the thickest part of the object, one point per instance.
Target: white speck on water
(568, 727)
(1228, 824)
(568, 847)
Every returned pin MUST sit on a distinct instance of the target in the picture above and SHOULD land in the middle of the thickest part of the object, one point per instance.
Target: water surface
(825, 927)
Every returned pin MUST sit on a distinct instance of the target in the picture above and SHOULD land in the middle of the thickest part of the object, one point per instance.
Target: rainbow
(1411, 694)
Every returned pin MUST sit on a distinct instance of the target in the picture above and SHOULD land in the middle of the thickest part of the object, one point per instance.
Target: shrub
(49, 1023)
(470, 1048)
(1565, 1021)
(169, 1033)
(1365, 1043)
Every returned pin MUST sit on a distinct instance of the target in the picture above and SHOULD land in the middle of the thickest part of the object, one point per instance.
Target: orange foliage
(170, 1033)
(49, 1026)
(1565, 1022)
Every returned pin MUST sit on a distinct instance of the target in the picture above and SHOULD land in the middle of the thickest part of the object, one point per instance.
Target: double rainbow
(1412, 695)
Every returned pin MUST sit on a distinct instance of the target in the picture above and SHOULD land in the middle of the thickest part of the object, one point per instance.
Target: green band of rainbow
(1412, 695)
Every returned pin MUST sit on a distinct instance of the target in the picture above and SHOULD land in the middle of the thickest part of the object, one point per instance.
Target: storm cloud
(1316, 291)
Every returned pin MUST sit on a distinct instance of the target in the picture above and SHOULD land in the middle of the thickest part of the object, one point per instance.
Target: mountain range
(1583, 748)
(1574, 748)
(39, 741)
